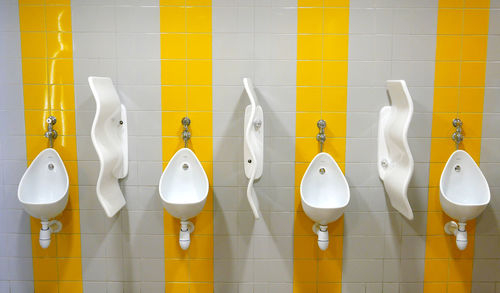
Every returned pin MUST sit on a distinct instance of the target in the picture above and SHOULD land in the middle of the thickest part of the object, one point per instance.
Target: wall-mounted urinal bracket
(457, 136)
(186, 135)
(51, 133)
(46, 230)
(321, 137)
(187, 227)
(458, 230)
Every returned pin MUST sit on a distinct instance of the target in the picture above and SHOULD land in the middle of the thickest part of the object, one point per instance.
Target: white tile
(415, 73)
(138, 45)
(138, 72)
(362, 21)
(229, 99)
(362, 175)
(138, 19)
(364, 224)
(412, 270)
(232, 46)
(273, 271)
(94, 45)
(153, 270)
(363, 247)
(367, 199)
(492, 73)
(144, 222)
(94, 269)
(275, 46)
(275, 72)
(414, 47)
(140, 98)
(83, 68)
(364, 73)
(367, 99)
(93, 18)
(20, 269)
(493, 46)
(362, 271)
(232, 19)
(231, 72)
(228, 149)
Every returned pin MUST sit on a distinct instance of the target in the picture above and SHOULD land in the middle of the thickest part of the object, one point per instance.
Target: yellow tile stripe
(47, 64)
(322, 50)
(186, 77)
(462, 36)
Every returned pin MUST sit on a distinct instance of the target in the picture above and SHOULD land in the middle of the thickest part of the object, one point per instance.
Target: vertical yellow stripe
(461, 46)
(186, 77)
(322, 54)
(47, 52)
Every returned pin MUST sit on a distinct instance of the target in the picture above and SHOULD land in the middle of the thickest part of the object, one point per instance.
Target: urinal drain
(51, 166)
(322, 171)
(185, 166)
(458, 168)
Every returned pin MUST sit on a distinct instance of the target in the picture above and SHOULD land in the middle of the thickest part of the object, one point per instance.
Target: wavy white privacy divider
(395, 162)
(253, 144)
(109, 135)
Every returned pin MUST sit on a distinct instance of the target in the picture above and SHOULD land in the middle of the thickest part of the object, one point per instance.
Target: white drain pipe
(187, 228)
(452, 228)
(322, 232)
(47, 230)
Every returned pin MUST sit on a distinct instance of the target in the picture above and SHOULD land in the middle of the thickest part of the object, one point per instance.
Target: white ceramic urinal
(109, 136)
(324, 194)
(464, 194)
(43, 191)
(253, 144)
(183, 190)
(395, 162)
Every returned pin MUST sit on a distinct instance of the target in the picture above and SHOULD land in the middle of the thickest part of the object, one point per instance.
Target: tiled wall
(186, 79)
(173, 58)
(322, 54)
(486, 270)
(458, 92)
(16, 268)
(255, 40)
(47, 72)
(383, 252)
(121, 40)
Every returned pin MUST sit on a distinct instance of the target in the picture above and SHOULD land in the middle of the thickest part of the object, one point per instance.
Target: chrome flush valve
(321, 137)
(51, 133)
(457, 136)
(186, 135)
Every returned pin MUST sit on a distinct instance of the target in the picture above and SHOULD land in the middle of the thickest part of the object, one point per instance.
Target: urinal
(183, 190)
(43, 192)
(324, 194)
(464, 194)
